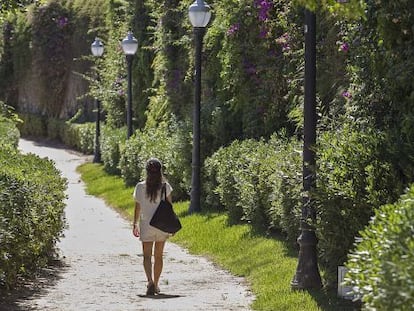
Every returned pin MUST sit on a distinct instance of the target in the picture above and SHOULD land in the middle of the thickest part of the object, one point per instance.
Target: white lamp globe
(129, 44)
(97, 48)
(199, 13)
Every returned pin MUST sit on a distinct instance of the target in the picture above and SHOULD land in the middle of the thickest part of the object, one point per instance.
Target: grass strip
(266, 262)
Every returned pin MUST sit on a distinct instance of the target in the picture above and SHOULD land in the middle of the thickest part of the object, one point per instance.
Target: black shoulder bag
(164, 217)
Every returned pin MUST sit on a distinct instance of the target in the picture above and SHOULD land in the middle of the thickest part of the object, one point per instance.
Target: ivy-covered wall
(44, 57)
(252, 64)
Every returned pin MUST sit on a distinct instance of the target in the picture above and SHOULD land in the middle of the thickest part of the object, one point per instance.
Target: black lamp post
(129, 46)
(307, 272)
(97, 49)
(200, 14)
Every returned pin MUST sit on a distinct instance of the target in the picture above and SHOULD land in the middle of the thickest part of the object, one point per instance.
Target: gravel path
(101, 262)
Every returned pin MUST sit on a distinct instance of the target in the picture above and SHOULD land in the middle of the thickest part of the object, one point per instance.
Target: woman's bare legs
(158, 261)
(147, 252)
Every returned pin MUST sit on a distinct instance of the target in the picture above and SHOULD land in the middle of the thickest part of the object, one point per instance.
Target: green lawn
(266, 262)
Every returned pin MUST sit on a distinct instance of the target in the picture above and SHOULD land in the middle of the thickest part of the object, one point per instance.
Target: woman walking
(147, 196)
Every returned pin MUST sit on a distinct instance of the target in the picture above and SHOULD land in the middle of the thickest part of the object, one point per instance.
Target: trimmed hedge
(353, 179)
(31, 213)
(111, 144)
(257, 182)
(166, 142)
(77, 136)
(261, 182)
(381, 269)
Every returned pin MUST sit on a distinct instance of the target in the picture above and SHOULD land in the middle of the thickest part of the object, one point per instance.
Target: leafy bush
(285, 180)
(221, 184)
(258, 182)
(31, 213)
(32, 125)
(381, 267)
(164, 142)
(352, 181)
(80, 137)
(111, 142)
(9, 134)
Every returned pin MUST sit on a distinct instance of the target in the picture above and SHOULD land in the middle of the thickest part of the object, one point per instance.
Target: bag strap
(164, 191)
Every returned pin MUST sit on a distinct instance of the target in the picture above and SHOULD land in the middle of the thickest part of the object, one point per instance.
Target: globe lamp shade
(199, 13)
(97, 48)
(129, 44)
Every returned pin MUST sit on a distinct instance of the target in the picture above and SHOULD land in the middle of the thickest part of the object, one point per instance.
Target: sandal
(150, 289)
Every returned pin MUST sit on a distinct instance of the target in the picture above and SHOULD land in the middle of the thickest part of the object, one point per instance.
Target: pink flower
(344, 47)
(233, 29)
(263, 33)
(346, 94)
(62, 21)
(264, 6)
(283, 40)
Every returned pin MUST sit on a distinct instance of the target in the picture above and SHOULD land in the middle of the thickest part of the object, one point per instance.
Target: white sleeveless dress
(149, 233)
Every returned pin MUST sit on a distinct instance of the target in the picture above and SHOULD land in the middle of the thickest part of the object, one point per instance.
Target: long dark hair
(154, 179)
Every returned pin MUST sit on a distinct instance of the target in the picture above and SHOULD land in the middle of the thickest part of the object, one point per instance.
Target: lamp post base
(307, 272)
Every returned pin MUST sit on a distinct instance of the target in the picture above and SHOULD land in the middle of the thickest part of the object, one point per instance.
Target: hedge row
(31, 210)
(78, 136)
(258, 182)
(168, 141)
(261, 182)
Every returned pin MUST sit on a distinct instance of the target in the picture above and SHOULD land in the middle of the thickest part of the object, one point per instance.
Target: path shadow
(160, 296)
(18, 299)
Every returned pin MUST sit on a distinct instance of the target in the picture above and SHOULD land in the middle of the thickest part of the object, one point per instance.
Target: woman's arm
(137, 212)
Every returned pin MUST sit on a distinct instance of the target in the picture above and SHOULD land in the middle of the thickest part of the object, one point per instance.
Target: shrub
(111, 142)
(80, 137)
(31, 213)
(164, 142)
(285, 179)
(258, 182)
(32, 125)
(9, 134)
(352, 181)
(222, 184)
(381, 267)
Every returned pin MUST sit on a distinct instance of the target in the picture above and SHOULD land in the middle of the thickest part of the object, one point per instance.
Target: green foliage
(257, 182)
(112, 69)
(32, 125)
(52, 28)
(31, 213)
(80, 137)
(10, 5)
(111, 142)
(353, 178)
(350, 9)
(380, 268)
(248, 48)
(165, 143)
(172, 87)
(380, 63)
(9, 134)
